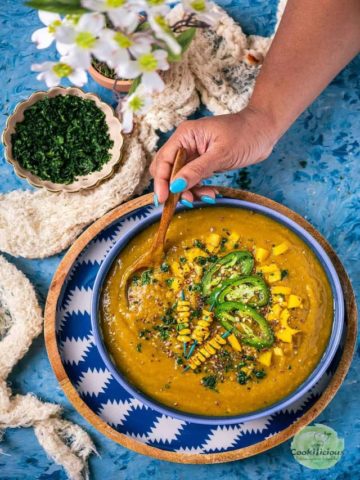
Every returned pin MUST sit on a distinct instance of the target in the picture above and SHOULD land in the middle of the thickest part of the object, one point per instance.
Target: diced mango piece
(246, 370)
(175, 284)
(273, 277)
(279, 299)
(234, 342)
(192, 253)
(281, 289)
(278, 351)
(185, 268)
(281, 248)
(261, 254)
(198, 269)
(274, 313)
(175, 268)
(233, 238)
(286, 334)
(268, 268)
(265, 358)
(213, 241)
(294, 301)
(284, 317)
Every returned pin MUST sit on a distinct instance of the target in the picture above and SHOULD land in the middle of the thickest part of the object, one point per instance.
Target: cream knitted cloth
(20, 322)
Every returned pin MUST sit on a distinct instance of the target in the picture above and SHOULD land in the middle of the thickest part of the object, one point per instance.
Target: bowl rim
(303, 388)
(83, 182)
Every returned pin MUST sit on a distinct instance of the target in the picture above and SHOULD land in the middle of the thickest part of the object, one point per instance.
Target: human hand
(212, 144)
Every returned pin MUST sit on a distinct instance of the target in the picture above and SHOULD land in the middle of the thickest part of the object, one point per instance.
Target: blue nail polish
(218, 195)
(178, 185)
(156, 200)
(208, 199)
(187, 203)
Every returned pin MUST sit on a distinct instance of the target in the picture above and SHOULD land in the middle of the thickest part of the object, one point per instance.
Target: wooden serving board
(96, 396)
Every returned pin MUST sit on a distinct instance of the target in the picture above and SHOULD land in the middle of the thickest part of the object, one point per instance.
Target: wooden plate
(96, 396)
(82, 182)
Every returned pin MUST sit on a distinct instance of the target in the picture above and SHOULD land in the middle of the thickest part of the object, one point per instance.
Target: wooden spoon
(156, 252)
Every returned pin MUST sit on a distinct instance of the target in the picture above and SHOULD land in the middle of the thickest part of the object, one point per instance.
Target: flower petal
(78, 58)
(42, 37)
(125, 19)
(127, 120)
(152, 82)
(78, 77)
(50, 78)
(91, 22)
(128, 70)
(42, 67)
(48, 17)
(63, 48)
(65, 34)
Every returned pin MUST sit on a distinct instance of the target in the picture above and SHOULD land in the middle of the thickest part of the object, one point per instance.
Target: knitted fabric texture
(20, 322)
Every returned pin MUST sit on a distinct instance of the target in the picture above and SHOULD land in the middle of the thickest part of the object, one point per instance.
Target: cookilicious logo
(317, 447)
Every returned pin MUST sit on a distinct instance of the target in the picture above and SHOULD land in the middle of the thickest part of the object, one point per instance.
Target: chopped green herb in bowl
(66, 141)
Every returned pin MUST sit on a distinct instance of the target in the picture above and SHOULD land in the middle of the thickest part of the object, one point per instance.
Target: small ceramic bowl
(315, 376)
(122, 86)
(83, 182)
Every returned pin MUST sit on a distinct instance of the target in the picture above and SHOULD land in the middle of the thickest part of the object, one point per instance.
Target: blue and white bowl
(314, 377)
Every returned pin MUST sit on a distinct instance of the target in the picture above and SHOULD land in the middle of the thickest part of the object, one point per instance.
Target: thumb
(194, 171)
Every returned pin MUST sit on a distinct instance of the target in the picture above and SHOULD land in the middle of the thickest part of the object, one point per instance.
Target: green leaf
(64, 7)
(135, 83)
(185, 38)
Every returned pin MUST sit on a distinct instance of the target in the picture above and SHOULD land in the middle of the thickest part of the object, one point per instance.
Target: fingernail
(218, 195)
(187, 203)
(156, 200)
(178, 185)
(208, 199)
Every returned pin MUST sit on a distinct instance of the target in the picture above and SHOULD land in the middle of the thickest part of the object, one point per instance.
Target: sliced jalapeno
(250, 326)
(231, 266)
(251, 290)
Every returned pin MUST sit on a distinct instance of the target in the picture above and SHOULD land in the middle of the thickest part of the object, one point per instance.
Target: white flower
(136, 104)
(162, 30)
(123, 14)
(82, 38)
(203, 9)
(146, 65)
(44, 37)
(117, 46)
(52, 73)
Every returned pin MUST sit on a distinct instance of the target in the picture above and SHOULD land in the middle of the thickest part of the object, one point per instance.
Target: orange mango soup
(235, 318)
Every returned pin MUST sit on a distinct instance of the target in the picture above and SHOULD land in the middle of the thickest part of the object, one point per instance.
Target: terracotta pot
(121, 85)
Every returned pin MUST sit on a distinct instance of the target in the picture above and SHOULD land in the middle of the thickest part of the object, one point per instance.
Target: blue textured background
(315, 170)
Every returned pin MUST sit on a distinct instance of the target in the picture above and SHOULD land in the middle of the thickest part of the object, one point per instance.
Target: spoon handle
(170, 204)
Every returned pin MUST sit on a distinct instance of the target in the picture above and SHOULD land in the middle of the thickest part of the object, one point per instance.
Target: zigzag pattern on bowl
(112, 403)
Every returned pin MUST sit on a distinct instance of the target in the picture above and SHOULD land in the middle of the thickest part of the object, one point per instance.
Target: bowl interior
(328, 355)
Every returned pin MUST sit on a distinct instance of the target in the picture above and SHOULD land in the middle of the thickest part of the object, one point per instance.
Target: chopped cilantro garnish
(259, 373)
(164, 267)
(209, 382)
(242, 378)
(200, 260)
(199, 244)
(146, 276)
(284, 273)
